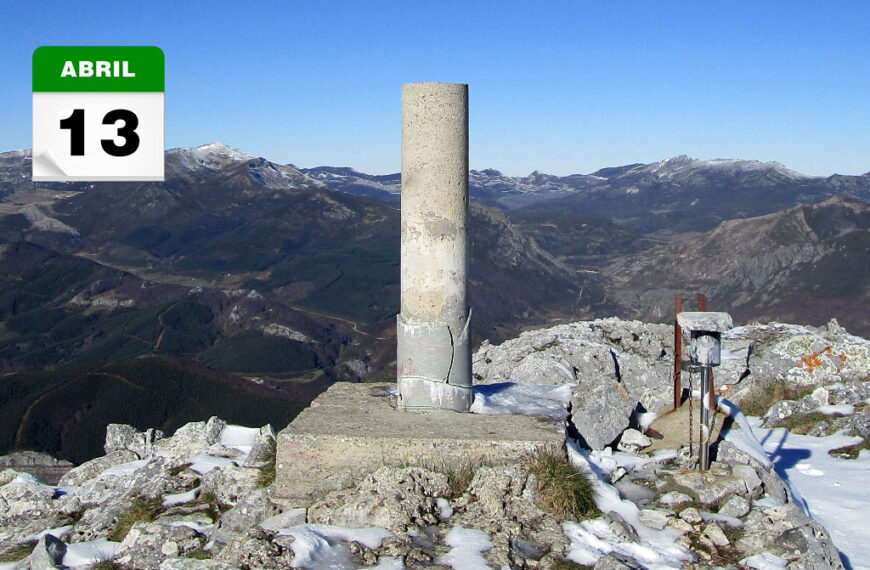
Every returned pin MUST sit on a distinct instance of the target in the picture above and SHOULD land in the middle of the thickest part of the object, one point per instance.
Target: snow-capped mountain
(680, 192)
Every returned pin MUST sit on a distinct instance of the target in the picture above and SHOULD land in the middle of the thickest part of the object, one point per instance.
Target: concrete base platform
(351, 430)
(673, 425)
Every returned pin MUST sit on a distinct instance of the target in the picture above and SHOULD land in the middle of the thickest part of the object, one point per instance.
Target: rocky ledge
(204, 498)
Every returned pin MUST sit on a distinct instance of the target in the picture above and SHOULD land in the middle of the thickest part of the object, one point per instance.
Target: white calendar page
(53, 145)
(98, 113)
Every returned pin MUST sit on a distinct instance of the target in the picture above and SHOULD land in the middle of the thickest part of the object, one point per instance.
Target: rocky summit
(205, 497)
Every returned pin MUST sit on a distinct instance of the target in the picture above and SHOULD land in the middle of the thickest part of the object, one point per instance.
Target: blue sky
(561, 87)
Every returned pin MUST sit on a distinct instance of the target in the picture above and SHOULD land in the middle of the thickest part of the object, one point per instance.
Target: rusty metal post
(678, 353)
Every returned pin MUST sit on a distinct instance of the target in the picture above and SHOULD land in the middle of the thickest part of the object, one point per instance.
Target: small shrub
(215, 507)
(562, 490)
(762, 396)
(17, 552)
(199, 554)
(460, 475)
(851, 451)
(801, 423)
(145, 510)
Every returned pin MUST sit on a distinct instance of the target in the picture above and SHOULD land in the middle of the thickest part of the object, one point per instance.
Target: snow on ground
(527, 399)
(124, 469)
(87, 553)
(321, 547)
(833, 489)
(236, 437)
(467, 546)
(79, 554)
(592, 539)
(181, 498)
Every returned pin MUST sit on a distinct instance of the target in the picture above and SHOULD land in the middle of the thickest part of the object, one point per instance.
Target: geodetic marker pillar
(433, 337)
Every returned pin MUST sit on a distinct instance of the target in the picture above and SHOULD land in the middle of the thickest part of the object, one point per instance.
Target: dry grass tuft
(145, 510)
(562, 490)
(17, 552)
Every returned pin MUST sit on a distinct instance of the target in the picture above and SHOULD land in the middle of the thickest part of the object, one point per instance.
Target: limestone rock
(787, 408)
(264, 447)
(287, 519)
(675, 499)
(193, 564)
(90, 469)
(736, 507)
(48, 554)
(148, 544)
(120, 437)
(811, 545)
(714, 533)
(231, 483)
(691, 515)
(633, 441)
(630, 352)
(654, 518)
(501, 502)
(249, 511)
(190, 439)
(601, 412)
(256, 550)
(708, 487)
(392, 498)
(616, 561)
(24, 498)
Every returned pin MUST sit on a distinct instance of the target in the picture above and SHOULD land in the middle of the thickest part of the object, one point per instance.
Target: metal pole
(711, 395)
(433, 338)
(678, 353)
(705, 419)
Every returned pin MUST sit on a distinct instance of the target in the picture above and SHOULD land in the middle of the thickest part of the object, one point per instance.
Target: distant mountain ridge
(676, 194)
(326, 239)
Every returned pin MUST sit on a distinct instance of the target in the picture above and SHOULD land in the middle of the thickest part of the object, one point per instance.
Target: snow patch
(527, 399)
(320, 545)
(466, 548)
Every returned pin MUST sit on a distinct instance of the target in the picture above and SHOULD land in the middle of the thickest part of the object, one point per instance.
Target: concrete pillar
(434, 347)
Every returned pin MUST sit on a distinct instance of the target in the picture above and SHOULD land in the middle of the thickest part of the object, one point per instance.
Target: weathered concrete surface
(352, 430)
(434, 348)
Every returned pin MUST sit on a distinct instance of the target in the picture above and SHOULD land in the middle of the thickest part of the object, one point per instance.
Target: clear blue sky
(562, 87)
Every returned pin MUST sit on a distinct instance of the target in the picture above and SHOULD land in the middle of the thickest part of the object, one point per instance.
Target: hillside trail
(25, 417)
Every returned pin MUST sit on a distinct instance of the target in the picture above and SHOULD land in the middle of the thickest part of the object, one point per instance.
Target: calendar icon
(98, 113)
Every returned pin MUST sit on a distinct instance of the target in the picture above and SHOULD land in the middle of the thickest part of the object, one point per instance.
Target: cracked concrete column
(434, 348)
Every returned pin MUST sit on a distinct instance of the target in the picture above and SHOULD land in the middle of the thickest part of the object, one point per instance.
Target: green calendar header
(98, 68)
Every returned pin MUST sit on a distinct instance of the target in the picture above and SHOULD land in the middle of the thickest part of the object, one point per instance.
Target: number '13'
(76, 125)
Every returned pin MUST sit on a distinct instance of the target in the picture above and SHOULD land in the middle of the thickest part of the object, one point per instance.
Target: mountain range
(289, 276)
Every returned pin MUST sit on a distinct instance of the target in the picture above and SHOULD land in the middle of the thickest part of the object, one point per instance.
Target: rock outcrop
(202, 498)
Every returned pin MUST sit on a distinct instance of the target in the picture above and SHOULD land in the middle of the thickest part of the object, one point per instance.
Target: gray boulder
(263, 449)
(148, 544)
(601, 411)
(90, 469)
(232, 483)
(121, 436)
(393, 498)
(258, 550)
(48, 554)
(250, 510)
